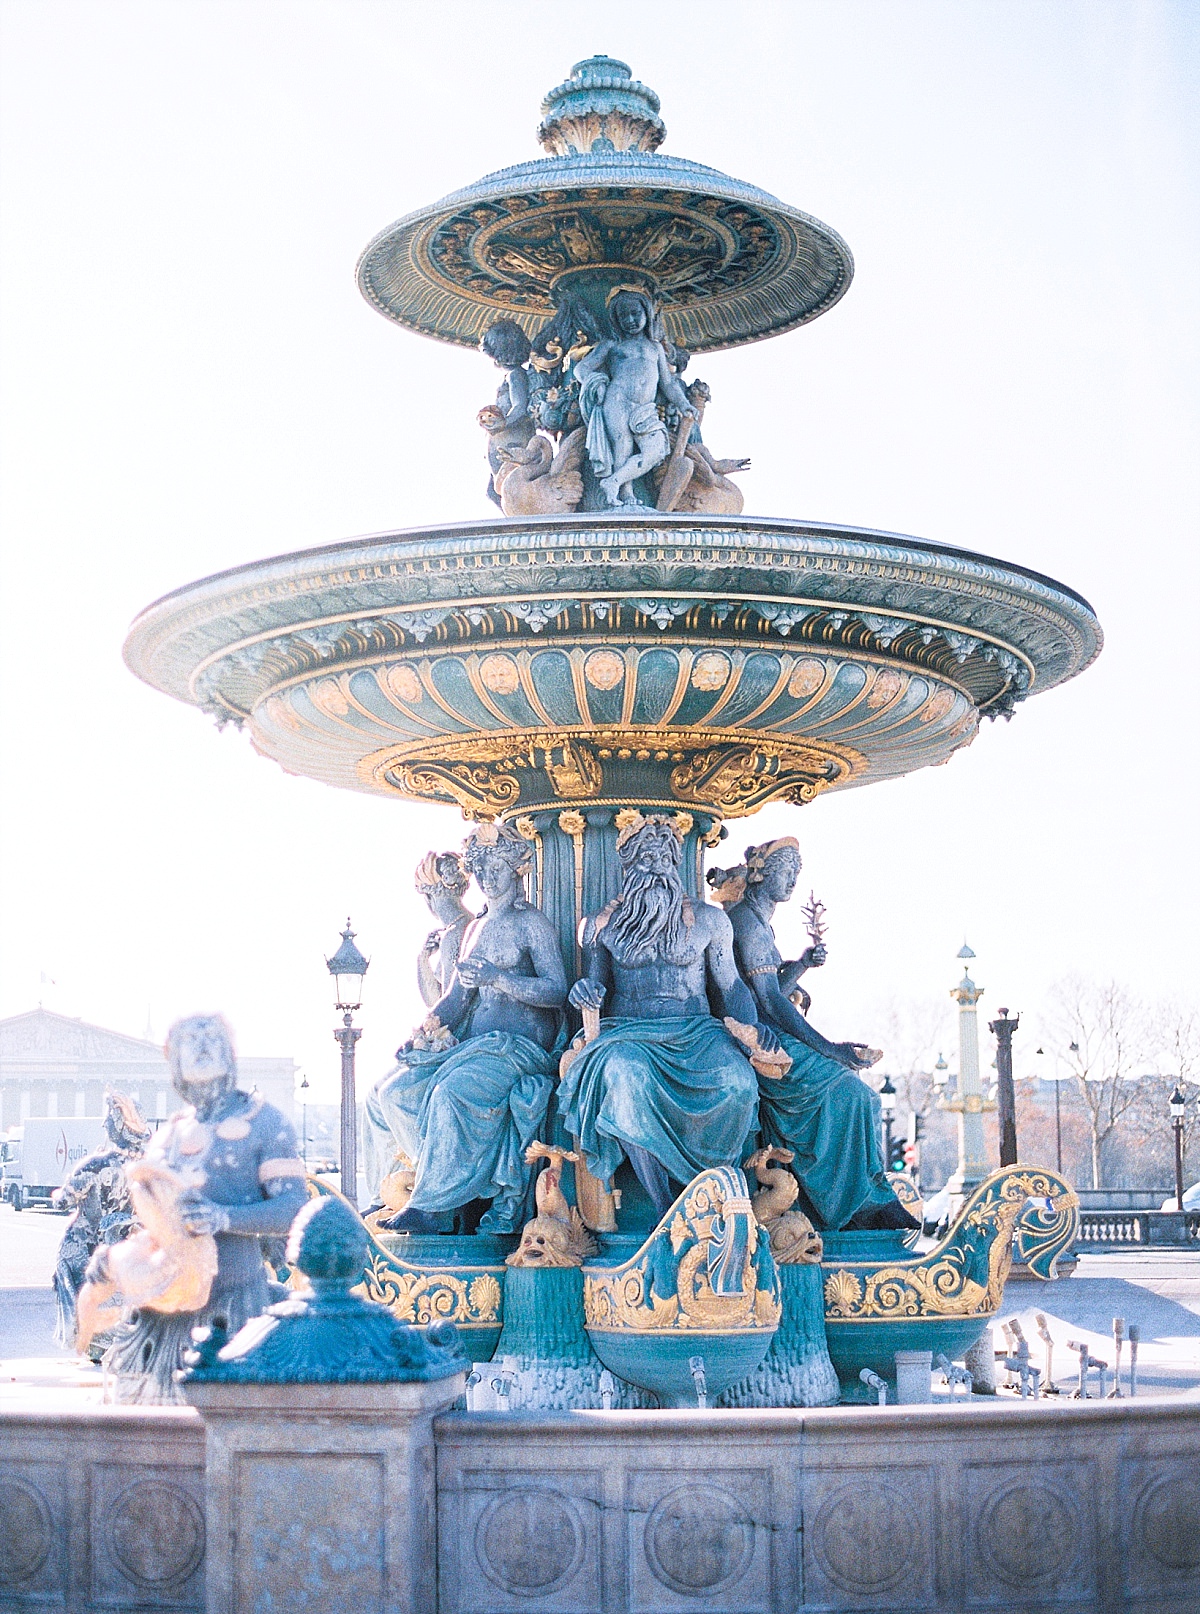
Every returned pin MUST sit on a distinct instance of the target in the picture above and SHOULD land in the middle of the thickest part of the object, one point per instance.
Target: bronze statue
(508, 422)
(442, 880)
(224, 1167)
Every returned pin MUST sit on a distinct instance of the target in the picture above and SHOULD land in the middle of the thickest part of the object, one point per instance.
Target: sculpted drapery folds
(820, 1111)
(470, 1092)
(664, 1084)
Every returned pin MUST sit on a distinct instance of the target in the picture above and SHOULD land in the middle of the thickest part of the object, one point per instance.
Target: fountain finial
(601, 107)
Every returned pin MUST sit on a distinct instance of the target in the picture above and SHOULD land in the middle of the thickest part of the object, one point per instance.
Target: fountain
(622, 638)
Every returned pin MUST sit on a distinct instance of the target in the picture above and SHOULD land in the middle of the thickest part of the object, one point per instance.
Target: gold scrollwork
(738, 779)
(431, 1297)
(629, 1297)
(475, 787)
(965, 1275)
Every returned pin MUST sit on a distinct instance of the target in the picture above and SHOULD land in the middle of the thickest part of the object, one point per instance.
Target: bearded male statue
(820, 1110)
(241, 1180)
(663, 1084)
(470, 1092)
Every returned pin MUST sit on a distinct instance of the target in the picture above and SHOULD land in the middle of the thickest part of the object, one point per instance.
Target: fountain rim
(619, 521)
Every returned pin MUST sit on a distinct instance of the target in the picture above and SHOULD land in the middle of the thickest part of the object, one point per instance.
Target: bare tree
(1102, 1032)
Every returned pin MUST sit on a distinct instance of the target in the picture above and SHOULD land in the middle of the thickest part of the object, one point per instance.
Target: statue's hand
(586, 994)
(857, 1056)
(202, 1216)
(813, 957)
(767, 1038)
(477, 972)
(432, 942)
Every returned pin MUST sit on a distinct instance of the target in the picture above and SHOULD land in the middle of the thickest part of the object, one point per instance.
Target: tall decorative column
(968, 1103)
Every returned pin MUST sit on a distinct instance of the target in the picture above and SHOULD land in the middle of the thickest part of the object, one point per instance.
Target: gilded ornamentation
(328, 697)
(537, 480)
(428, 1297)
(476, 788)
(1033, 1210)
(572, 822)
(887, 685)
(704, 1267)
(741, 778)
(557, 1236)
(604, 669)
(710, 670)
(807, 677)
(500, 675)
(794, 1240)
(938, 704)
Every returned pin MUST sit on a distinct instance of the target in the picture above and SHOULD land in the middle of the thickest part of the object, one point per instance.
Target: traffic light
(918, 1128)
(910, 1156)
(896, 1160)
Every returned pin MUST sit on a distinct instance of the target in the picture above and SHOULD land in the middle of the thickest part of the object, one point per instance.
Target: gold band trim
(281, 1168)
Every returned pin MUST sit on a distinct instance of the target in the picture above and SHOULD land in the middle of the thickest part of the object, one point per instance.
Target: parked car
(1191, 1199)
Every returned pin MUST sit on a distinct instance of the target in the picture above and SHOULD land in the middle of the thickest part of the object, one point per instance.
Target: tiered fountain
(600, 645)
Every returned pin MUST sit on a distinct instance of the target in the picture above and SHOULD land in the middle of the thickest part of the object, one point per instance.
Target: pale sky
(191, 380)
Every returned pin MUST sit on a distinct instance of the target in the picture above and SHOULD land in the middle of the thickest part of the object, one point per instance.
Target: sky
(191, 380)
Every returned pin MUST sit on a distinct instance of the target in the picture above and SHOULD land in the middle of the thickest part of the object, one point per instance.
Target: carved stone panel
(867, 1537)
(32, 1534)
(1031, 1533)
(699, 1540)
(147, 1536)
(310, 1532)
(515, 1540)
(1161, 1550)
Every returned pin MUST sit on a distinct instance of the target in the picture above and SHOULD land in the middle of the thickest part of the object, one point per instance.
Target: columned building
(52, 1065)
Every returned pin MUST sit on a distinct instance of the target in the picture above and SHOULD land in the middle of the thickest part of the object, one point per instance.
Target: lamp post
(969, 1104)
(348, 966)
(1002, 1029)
(1057, 1079)
(887, 1105)
(1177, 1103)
(304, 1122)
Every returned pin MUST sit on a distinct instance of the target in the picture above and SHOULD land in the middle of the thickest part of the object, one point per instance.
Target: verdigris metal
(329, 1336)
(796, 1371)
(557, 1369)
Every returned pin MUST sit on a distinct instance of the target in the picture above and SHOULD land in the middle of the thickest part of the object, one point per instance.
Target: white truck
(41, 1154)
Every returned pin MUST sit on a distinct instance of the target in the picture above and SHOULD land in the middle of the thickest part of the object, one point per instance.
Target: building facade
(55, 1066)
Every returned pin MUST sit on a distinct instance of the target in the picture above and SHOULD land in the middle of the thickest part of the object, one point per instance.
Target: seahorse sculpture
(794, 1240)
(556, 1237)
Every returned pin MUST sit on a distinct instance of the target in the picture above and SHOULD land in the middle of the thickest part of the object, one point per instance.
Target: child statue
(508, 422)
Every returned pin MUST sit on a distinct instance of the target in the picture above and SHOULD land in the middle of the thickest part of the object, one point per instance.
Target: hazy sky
(191, 380)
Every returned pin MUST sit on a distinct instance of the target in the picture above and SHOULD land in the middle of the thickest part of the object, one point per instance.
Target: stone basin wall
(1091, 1508)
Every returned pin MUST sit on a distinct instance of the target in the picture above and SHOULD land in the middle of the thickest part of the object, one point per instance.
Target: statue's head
(199, 1052)
(631, 312)
(728, 886)
(545, 1242)
(650, 844)
(506, 343)
(123, 1121)
(649, 921)
(498, 857)
(774, 867)
(699, 393)
(441, 871)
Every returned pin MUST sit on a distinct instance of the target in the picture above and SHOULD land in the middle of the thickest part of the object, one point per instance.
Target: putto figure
(664, 1083)
(508, 422)
(821, 1110)
(98, 1192)
(620, 381)
(471, 1090)
(229, 1161)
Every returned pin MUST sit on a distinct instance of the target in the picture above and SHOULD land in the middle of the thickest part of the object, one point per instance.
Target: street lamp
(1002, 1029)
(348, 966)
(1177, 1103)
(941, 1075)
(304, 1122)
(887, 1105)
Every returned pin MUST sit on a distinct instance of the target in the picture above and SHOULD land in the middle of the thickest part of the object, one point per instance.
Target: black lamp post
(1177, 1104)
(887, 1104)
(1006, 1102)
(304, 1122)
(348, 966)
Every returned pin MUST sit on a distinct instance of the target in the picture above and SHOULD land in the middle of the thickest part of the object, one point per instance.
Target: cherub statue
(556, 1237)
(508, 422)
(98, 1192)
(692, 480)
(620, 381)
(538, 481)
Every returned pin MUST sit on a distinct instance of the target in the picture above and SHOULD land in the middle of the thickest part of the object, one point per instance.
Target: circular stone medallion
(1029, 1533)
(25, 1531)
(604, 669)
(529, 1540)
(156, 1533)
(1167, 1521)
(865, 1537)
(499, 674)
(698, 1538)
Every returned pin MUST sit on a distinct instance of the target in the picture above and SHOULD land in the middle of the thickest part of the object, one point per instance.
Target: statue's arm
(518, 395)
(777, 1010)
(672, 387)
(593, 363)
(454, 1004)
(595, 984)
(427, 978)
(737, 1000)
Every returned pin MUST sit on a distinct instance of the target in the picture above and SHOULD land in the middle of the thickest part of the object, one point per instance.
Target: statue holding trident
(620, 380)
